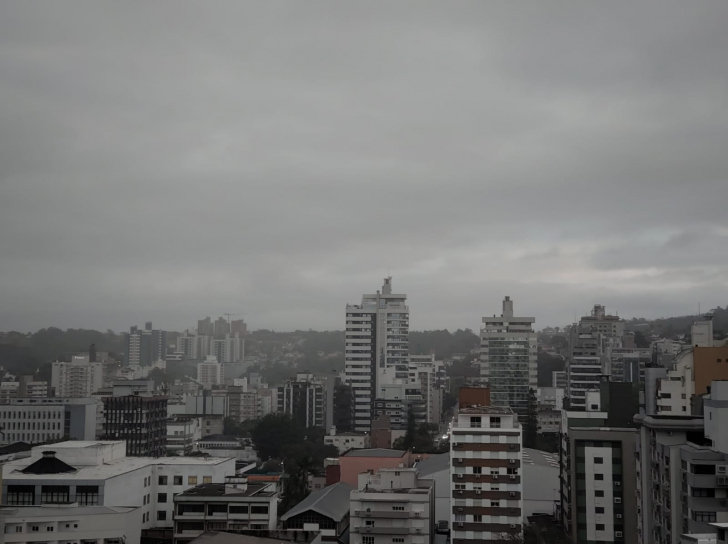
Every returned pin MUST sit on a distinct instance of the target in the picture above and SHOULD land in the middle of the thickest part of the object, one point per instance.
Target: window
(477, 470)
(87, 495)
(191, 480)
(19, 495)
(598, 493)
(477, 518)
(55, 494)
(35, 528)
(239, 509)
(702, 469)
(495, 487)
(703, 492)
(367, 540)
(600, 526)
(207, 479)
(259, 509)
(459, 487)
(49, 529)
(495, 422)
(162, 480)
(178, 480)
(397, 539)
(704, 516)
(598, 460)
(599, 510)
(599, 476)
(161, 497)
(459, 517)
(399, 508)
(495, 504)
(475, 421)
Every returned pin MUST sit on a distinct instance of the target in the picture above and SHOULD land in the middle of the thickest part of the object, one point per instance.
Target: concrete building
(629, 364)
(135, 414)
(354, 462)
(235, 505)
(78, 378)
(25, 387)
(486, 460)
(559, 379)
(304, 400)
(325, 510)
(182, 435)
(600, 502)
(346, 441)
(144, 346)
(549, 419)
(97, 473)
(36, 420)
(228, 349)
(57, 524)
(551, 396)
(393, 505)
(210, 372)
(508, 353)
(377, 348)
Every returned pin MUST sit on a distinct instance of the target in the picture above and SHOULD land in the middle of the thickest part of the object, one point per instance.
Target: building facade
(78, 378)
(138, 419)
(377, 348)
(508, 354)
(393, 505)
(486, 457)
(144, 347)
(36, 420)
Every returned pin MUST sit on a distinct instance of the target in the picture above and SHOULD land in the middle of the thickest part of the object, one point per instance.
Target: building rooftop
(331, 501)
(375, 452)
(222, 490)
(48, 464)
(433, 464)
(220, 438)
(213, 537)
(55, 510)
(486, 410)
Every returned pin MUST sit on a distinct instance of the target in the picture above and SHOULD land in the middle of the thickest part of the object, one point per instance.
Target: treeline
(671, 327)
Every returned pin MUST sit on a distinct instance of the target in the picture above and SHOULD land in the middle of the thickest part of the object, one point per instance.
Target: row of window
(31, 414)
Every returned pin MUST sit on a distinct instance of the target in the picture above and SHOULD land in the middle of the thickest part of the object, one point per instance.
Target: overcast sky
(167, 161)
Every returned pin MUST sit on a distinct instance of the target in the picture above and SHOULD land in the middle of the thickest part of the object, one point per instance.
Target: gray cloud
(170, 161)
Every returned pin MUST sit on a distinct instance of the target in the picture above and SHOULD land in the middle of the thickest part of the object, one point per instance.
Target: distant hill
(670, 327)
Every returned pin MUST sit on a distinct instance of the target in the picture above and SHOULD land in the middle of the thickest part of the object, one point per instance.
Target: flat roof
(375, 452)
(53, 510)
(221, 490)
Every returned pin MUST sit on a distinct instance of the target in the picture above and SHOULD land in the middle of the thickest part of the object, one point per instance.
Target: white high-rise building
(377, 348)
(210, 372)
(79, 378)
(508, 354)
(485, 458)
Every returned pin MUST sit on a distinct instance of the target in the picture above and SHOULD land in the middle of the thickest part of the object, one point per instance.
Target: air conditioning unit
(459, 460)
(460, 476)
(357, 529)
(477, 491)
(460, 492)
(368, 513)
(514, 526)
(368, 529)
(618, 500)
(617, 483)
(419, 530)
(460, 509)
(477, 475)
(512, 446)
(513, 476)
(417, 514)
(495, 476)
(512, 461)
(619, 516)
(513, 493)
(618, 534)
(720, 469)
(461, 525)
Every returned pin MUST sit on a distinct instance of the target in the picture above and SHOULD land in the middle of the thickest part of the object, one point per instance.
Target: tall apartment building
(228, 349)
(37, 420)
(137, 417)
(485, 457)
(377, 348)
(508, 354)
(78, 378)
(144, 347)
(205, 327)
(304, 400)
(393, 505)
(210, 372)
(629, 364)
(424, 372)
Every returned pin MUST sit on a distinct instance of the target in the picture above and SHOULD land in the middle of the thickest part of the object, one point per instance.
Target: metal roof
(331, 501)
(375, 452)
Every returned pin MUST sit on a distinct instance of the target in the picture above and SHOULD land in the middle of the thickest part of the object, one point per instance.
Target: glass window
(161, 497)
(599, 460)
(178, 480)
(162, 480)
(191, 480)
(207, 479)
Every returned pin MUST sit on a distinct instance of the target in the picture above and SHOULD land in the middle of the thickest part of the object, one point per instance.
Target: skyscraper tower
(377, 348)
(508, 358)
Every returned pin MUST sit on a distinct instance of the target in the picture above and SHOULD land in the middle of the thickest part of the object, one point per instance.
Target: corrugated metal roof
(331, 501)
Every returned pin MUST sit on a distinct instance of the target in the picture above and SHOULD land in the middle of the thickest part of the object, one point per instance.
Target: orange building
(355, 462)
(709, 364)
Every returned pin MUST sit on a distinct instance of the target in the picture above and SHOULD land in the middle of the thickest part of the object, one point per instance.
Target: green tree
(273, 433)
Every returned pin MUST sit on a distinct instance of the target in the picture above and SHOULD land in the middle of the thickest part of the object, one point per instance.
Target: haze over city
(278, 160)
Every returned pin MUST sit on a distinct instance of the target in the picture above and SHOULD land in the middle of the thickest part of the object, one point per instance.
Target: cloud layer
(169, 162)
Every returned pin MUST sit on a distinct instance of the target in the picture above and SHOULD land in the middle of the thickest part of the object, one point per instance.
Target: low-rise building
(64, 524)
(325, 510)
(355, 462)
(37, 420)
(182, 435)
(346, 441)
(236, 505)
(394, 505)
(97, 473)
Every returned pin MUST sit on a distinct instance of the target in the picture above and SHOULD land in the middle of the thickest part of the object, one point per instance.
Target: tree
(273, 433)
(409, 435)
(530, 428)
